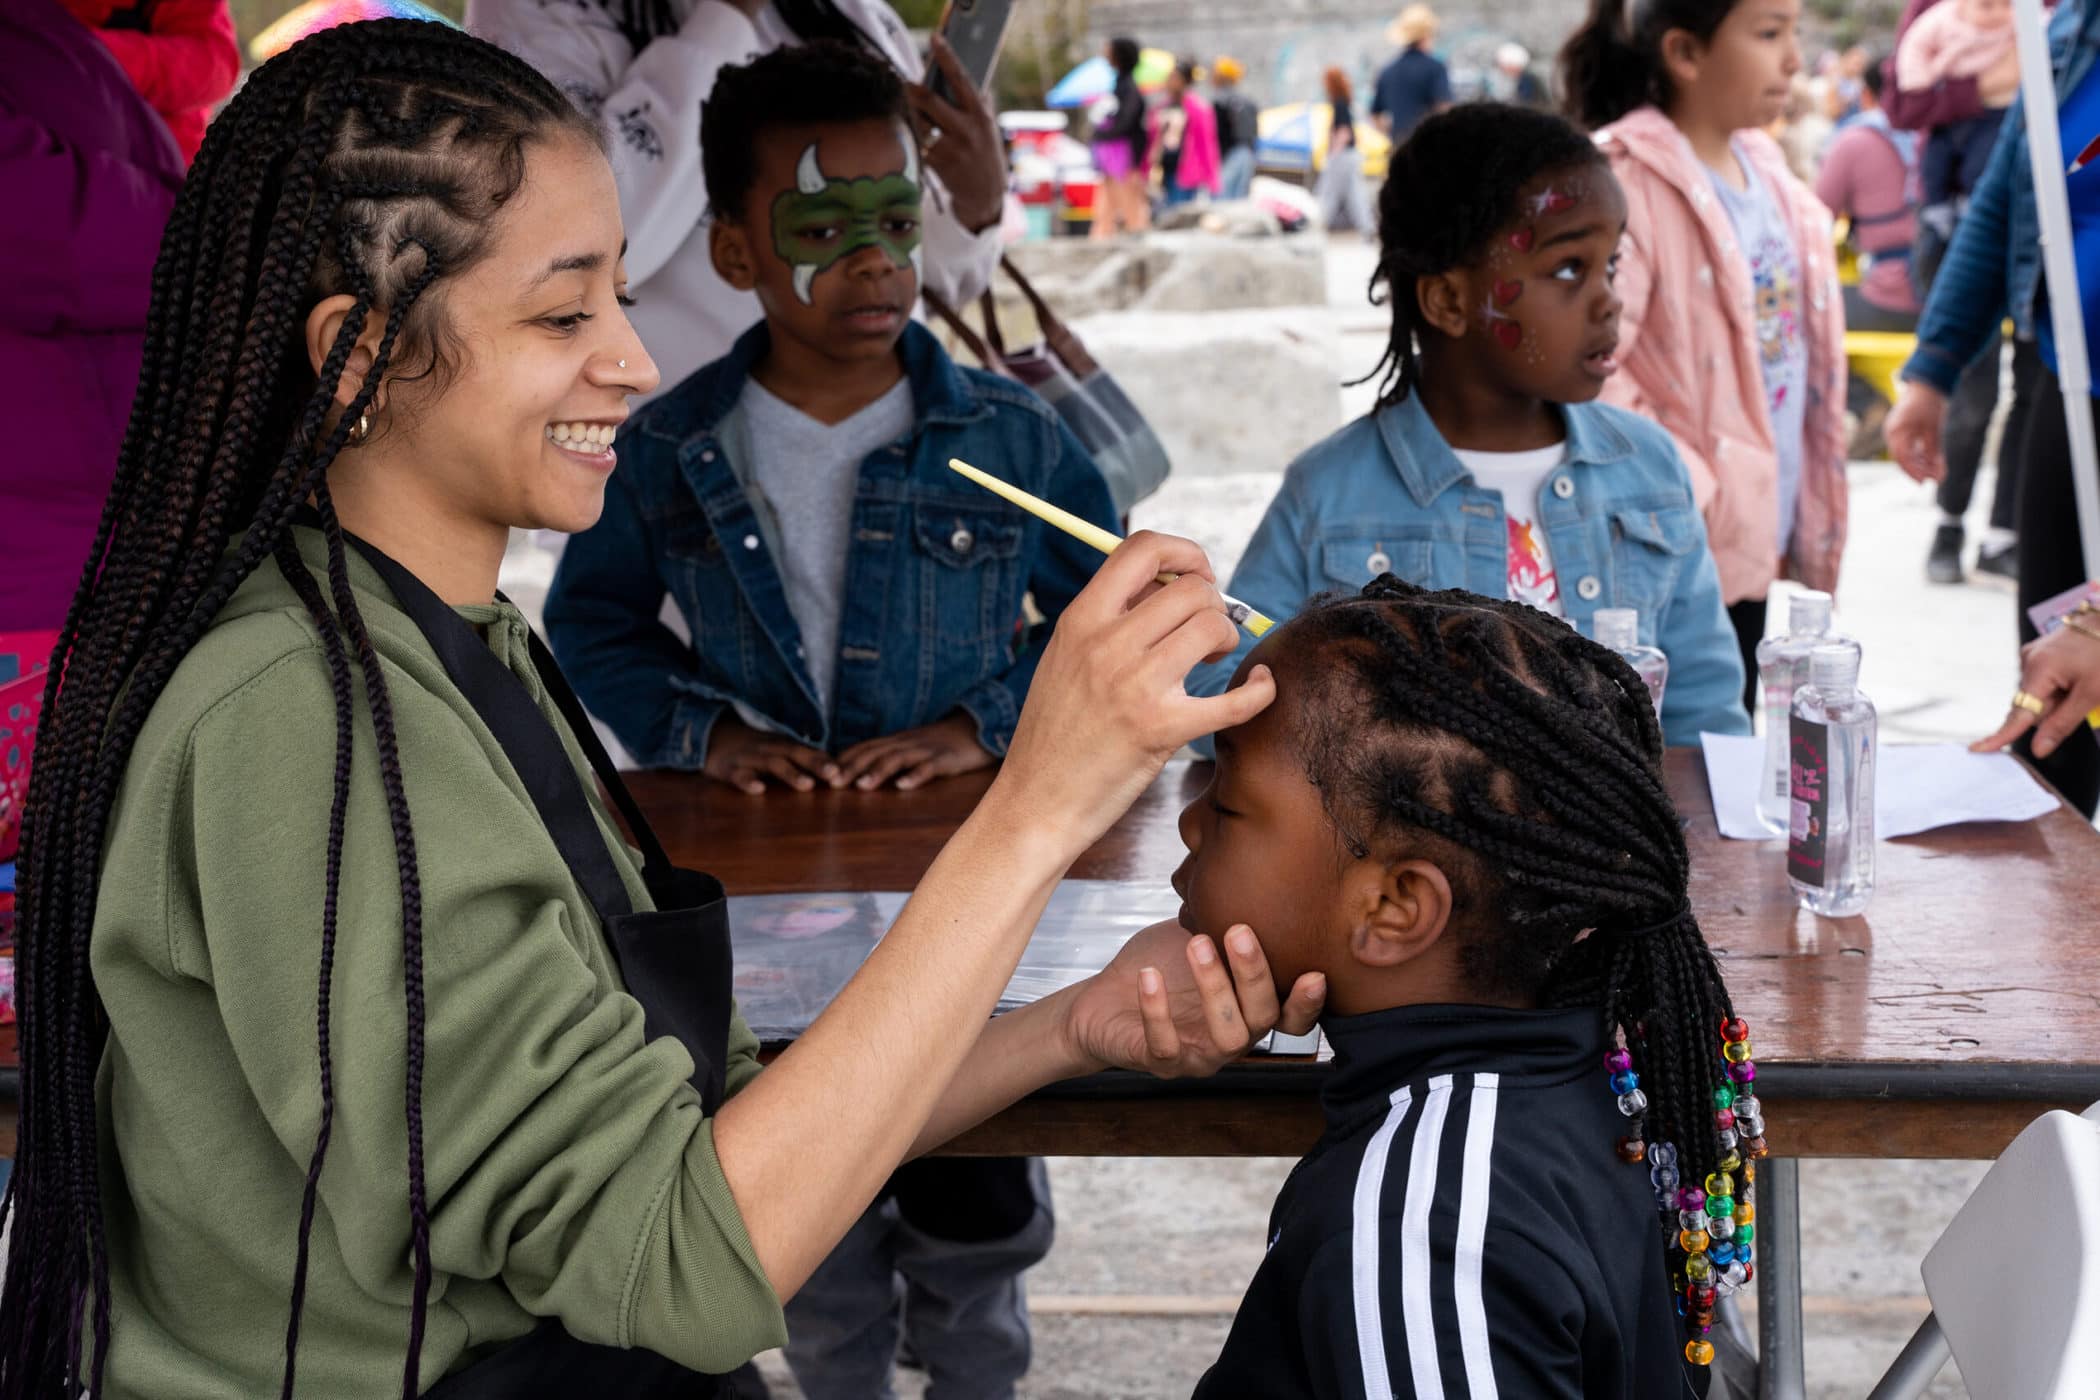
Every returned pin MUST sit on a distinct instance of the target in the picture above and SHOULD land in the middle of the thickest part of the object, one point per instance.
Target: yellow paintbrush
(1086, 532)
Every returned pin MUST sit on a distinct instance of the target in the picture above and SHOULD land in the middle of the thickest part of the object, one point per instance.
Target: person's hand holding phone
(960, 138)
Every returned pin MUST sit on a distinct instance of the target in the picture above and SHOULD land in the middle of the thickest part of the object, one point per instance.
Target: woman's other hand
(1913, 429)
(1173, 1005)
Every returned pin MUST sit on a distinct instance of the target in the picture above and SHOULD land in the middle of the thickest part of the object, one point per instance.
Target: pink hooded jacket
(1200, 162)
(1688, 353)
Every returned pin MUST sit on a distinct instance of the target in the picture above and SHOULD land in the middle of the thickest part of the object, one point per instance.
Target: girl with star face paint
(1487, 464)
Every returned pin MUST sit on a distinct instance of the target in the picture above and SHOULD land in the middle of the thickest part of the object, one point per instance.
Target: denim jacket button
(1563, 486)
(751, 542)
(1379, 563)
(961, 540)
(1588, 588)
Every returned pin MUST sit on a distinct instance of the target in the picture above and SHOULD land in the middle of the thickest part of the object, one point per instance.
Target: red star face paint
(1507, 291)
(1524, 239)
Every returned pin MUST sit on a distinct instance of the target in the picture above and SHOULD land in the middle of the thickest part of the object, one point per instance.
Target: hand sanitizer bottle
(1620, 629)
(1830, 838)
(1782, 669)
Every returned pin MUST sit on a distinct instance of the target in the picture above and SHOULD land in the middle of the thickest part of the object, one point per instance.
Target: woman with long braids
(359, 1055)
(1537, 1178)
(642, 69)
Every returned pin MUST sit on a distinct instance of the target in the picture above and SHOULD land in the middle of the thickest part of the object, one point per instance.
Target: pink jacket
(1200, 163)
(1688, 353)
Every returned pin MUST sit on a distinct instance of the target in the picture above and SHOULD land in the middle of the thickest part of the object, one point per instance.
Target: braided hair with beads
(1452, 185)
(367, 161)
(1526, 759)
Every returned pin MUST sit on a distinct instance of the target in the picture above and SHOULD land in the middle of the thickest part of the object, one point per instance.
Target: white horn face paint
(808, 178)
(911, 154)
(805, 274)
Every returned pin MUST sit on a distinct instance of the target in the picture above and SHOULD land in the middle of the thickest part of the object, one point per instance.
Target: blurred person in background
(1345, 202)
(1182, 153)
(1416, 83)
(1119, 150)
(90, 173)
(1513, 81)
(181, 55)
(1239, 128)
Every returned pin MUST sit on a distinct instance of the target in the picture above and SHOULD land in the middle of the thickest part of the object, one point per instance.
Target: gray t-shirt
(1767, 244)
(808, 473)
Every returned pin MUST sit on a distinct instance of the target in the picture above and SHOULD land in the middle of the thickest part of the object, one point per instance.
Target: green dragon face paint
(820, 221)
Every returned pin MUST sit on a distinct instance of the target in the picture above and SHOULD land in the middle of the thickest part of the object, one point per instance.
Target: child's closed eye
(1221, 809)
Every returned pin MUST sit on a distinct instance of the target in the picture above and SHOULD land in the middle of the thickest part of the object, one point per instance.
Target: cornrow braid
(368, 161)
(1526, 758)
(1453, 185)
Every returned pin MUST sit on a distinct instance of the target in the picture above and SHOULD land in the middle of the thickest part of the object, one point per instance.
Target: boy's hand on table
(914, 757)
(1167, 1004)
(746, 758)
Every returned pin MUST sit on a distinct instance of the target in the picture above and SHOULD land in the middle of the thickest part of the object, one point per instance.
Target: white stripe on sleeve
(1472, 1236)
(1415, 1307)
(1363, 1252)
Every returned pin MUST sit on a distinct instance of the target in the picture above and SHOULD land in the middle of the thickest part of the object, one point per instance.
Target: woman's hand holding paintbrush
(1108, 706)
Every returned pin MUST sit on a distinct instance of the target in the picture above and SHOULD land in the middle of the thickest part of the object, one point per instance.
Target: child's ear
(1681, 56)
(729, 245)
(1444, 301)
(1405, 908)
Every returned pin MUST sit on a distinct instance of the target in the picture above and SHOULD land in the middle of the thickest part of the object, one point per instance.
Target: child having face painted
(1454, 811)
(854, 611)
(1486, 465)
(854, 608)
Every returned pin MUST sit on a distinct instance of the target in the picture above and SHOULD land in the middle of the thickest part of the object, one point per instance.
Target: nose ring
(623, 364)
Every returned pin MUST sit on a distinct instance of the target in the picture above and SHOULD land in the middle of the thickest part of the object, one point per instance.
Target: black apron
(675, 961)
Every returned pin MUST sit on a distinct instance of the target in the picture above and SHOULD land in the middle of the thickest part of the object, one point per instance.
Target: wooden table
(1938, 1024)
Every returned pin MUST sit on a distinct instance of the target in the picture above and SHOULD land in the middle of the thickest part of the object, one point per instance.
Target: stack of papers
(1917, 787)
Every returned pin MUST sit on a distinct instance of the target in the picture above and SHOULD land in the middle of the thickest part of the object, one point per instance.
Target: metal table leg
(1916, 1366)
(1781, 1370)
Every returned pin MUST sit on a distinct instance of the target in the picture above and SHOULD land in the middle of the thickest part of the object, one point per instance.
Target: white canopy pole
(2060, 266)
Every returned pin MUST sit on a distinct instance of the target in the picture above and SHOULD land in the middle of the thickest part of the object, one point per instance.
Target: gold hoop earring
(363, 429)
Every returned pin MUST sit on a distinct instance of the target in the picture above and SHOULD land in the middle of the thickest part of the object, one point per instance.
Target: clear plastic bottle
(1782, 669)
(1620, 629)
(1830, 839)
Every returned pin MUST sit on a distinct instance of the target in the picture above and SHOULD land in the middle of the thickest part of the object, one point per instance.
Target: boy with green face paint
(823, 219)
(856, 611)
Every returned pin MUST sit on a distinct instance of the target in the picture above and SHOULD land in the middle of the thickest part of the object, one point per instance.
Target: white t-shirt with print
(1519, 476)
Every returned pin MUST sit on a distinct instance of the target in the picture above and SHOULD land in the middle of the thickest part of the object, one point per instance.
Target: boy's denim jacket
(1387, 494)
(933, 619)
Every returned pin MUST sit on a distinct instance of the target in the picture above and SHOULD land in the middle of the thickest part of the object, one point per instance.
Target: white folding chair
(2015, 1277)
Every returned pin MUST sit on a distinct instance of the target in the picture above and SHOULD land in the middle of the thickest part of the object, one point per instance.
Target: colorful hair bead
(1701, 1295)
(1757, 1148)
(1745, 1214)
(1633, 1102)
(1660, 1177)
(1699, 1352)
(1745, 1232)
(1747, 1106)
(1723, 1252)
(1625, 1081)
(1724, 1119)
(1735, 1029)
(1698, 1268)
(1632, 1149)
(1618, 1060)
(1724, 1097)
(1691, 1198)
(1719, 1184)
(1720, 1205)
(1727, 1139)
(1730, 1160)
(1663, 1154)
(1744, 1072)
(1692, 1241)
(1721, 1227)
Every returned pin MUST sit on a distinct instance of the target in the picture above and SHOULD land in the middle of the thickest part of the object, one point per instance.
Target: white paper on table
(1917, 787)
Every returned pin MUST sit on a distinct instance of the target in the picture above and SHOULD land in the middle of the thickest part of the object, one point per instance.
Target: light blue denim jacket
(1387, 494)
(936, 570)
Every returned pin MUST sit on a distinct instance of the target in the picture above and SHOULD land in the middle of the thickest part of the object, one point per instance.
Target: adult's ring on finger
(2023, 701)
(933, 138)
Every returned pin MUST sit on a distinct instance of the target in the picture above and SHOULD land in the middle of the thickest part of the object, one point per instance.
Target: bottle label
(1808, 782)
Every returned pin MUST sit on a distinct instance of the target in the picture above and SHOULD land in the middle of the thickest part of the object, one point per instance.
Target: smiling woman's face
(517, 430)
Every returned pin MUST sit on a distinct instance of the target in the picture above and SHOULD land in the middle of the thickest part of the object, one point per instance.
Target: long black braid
(367, 161)
(1527, 758)
(1452, 187)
